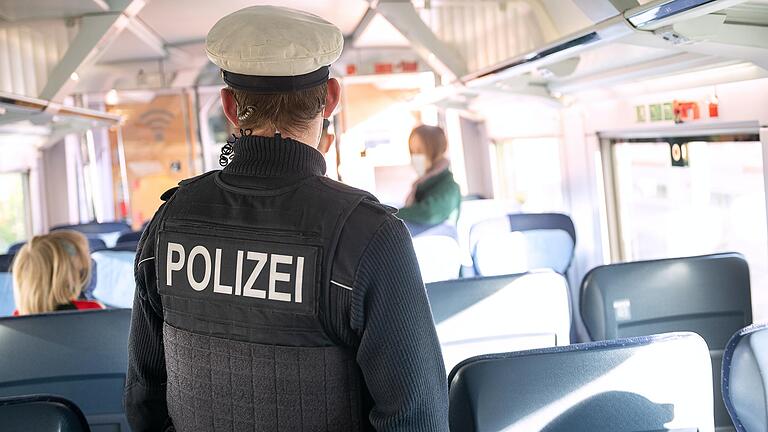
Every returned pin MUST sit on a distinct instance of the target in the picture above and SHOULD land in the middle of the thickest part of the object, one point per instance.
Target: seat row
(708, 295)
(112, 246)
(100, 235)
(507, 244)
(645, 383)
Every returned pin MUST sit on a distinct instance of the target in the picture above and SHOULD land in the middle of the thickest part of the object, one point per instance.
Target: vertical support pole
(764, 143)
(123, 173)
(185, 113)
(93, 179)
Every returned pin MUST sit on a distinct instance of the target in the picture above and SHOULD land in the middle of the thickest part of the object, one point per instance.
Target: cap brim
(276, 84)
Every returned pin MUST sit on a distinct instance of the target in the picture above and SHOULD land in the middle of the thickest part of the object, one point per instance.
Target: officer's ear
(332, 98)
(229, 104)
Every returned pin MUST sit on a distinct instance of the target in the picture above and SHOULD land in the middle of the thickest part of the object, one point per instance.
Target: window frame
(26, 201)
(610, 177)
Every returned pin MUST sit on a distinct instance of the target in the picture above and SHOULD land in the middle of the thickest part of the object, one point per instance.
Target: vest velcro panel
(226, 385)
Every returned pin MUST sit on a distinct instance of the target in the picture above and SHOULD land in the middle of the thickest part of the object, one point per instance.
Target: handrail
(40, 105)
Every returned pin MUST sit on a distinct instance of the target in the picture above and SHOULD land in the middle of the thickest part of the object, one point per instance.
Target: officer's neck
(308, 135)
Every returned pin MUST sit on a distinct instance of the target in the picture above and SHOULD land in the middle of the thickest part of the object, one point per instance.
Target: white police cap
(271, 49)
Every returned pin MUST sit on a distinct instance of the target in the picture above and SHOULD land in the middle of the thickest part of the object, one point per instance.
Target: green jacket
(437, 200)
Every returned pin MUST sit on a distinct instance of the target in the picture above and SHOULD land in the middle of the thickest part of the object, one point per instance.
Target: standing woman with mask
(435, 197)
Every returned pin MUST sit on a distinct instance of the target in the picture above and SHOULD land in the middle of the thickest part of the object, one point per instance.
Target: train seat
(94, 244)
(647, 383)
(133, 236)
(709, 295)
(6, 261)
(14, 248)
(109, 232)
(41, 413)
(500, 314)
(115, 283)
(131, 246)
(446, 229)
(439, 257)
(7, 303)
(478, 210)
(745, 378)
(519, 252)
(520, 242)
(81, 356)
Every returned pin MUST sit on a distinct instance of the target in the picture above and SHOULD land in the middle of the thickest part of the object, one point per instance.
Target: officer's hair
(434, 141)
(285, 112)
(50, 270)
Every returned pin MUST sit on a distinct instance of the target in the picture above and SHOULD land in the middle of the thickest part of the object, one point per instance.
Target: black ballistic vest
(244, 279)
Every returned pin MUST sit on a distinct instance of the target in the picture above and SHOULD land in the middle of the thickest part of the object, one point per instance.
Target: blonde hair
(50, 270)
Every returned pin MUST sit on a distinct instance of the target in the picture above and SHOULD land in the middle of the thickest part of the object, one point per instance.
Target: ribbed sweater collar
(274, 157)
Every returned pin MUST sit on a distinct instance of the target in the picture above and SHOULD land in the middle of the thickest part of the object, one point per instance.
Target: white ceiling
(16, 10)
(380, 33)
(179, 27)
(127, 47)
(185, 26)
(190, 20)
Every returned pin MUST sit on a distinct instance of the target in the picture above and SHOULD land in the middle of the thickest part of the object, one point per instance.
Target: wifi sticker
(157, 120)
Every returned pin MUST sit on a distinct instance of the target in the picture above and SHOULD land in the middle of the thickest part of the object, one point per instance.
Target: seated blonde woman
(50, 272)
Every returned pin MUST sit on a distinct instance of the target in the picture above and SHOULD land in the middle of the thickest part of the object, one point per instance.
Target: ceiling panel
(566, 16)
(14, 10)
(127, 47)
(754, 12)
(616, 55)
(188, 21)
(380, 33)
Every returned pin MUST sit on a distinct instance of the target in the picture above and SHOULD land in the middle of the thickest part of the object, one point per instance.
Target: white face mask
(419, 163)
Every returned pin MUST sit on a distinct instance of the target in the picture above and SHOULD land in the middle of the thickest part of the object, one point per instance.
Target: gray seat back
(7, 302)
(522, 242)
(499, 314)
(115, 282)
(649, 383)
(133, 236)
(81, 356)
(108, 232)
(41, 413)
(439, 257)
(6, 262)
(708, 295)
(745, 378)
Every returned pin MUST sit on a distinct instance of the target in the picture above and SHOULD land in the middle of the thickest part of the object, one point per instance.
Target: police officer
(269, 297)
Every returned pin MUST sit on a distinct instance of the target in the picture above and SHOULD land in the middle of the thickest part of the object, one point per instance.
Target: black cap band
(276, 84)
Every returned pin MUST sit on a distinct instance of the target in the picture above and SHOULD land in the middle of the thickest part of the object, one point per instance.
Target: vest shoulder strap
(191, 180)
(170, 192)
(358, 232)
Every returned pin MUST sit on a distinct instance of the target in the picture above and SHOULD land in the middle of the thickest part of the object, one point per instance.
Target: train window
(528, 172)
(693, 197)
(14, 209)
